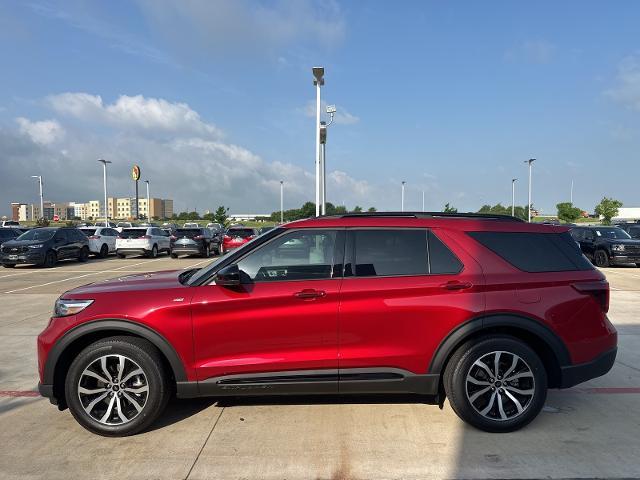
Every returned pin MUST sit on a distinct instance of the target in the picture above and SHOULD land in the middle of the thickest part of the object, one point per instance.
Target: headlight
(35, 246)
(65, 308)
(617, 248)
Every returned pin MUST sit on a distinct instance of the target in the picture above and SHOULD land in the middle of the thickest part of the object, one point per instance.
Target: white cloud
(135, 112)
(342, 116)
(627, 88)
(532, 51)
(229, 27)
(43, 133)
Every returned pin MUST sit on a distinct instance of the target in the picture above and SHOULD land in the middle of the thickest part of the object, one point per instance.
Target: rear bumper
(575, 374)
(131, 251)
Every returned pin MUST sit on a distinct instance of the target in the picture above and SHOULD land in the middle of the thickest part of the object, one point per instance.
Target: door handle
(455, 285)
(310, 294)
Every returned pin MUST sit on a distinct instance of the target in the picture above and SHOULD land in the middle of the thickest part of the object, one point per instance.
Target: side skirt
(314, 382)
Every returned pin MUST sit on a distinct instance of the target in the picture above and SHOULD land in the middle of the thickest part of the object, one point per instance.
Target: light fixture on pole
(318, 74)
(402, 200)
(281, 201)
(513, 196)
(148, 204)
(39, 177)
(530, 162)
(106, 208)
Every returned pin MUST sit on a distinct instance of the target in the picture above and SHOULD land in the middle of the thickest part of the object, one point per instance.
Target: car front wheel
(496, 384)
(601, 258)
(117, 386)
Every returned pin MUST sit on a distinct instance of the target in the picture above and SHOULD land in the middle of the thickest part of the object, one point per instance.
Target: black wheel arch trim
(477, 325)
(120, 325)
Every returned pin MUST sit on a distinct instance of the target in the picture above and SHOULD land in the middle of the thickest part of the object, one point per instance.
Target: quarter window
(441, 259)
(299, 255)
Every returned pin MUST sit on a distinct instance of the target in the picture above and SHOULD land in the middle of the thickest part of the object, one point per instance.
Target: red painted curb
(18, 393)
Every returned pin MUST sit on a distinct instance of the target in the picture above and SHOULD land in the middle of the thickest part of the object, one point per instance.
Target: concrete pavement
(586, 432)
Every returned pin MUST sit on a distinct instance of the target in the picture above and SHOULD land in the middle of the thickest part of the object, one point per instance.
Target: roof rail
(475, 216)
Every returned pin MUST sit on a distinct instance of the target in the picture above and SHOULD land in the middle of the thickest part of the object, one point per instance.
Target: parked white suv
(102, 240)
(147, 241)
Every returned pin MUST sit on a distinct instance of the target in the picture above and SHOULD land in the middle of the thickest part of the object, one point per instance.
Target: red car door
(282, 318)
(403, 292)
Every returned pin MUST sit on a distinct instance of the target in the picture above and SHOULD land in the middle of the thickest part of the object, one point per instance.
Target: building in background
(627, 214)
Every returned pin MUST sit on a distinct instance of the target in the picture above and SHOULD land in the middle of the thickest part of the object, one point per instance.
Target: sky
(215, 101)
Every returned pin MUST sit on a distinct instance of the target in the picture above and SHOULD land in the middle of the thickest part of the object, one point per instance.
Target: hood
(622, 241)
(142, 281)
(22, 243)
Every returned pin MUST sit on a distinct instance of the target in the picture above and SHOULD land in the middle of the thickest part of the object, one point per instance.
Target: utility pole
(513, 196)
(423, 200)
(318, 73)
(148, 204)
(530, 162)
(402, 200)
(281, 201)
(104, 179)
(571, 197)
(39, 177)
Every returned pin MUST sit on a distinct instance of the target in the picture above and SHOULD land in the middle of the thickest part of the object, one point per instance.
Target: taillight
(251, 237)
(198, 237)
(172, 237)
(227, 238)
(146, 237)
(598, 290)
(94, 237)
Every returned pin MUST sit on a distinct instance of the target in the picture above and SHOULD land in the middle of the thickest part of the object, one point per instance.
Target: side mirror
(228, 276)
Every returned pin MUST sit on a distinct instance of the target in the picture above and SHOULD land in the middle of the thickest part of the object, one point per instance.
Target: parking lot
(589, 431)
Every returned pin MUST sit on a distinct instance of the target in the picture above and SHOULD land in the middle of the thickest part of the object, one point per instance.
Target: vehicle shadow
(178, 410)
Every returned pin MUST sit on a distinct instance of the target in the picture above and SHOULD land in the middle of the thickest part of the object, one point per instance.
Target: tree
(607, 209)
(42, 222)
(357, 209)
(449, 209)
(372, 209)
(567, 212)
(209, 216)
(221, 215)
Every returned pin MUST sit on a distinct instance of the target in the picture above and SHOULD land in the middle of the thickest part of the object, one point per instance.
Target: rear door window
(379, 253)
(535, 252)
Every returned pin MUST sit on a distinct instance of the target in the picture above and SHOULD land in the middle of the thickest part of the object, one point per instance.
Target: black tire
(9, 265)
(601, 258)
(638, 265)
(216, 250)
(83, 256)
(140, 353)
(104, 251)
(461, 392)
(154, 252)
(50, 259)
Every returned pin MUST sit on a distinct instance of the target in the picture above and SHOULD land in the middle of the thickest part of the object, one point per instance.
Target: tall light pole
(281, 201)
(423, 200)
(571, 196)
(323, 168)
(530, 162)
(106, 208)
(402, 200)
(148, 204)
(513, 196)
(39, 177)
(318, 73)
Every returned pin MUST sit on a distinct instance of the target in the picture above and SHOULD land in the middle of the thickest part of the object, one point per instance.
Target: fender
(460, 334)
(118, 325)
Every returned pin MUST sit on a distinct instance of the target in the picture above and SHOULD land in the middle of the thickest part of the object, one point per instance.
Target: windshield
(240, 232)
(133, 233)
(88, 231)
(187, 232)
(613, 232)
(37, 234)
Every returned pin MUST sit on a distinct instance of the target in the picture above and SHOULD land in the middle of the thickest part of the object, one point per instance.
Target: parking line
(81, 276)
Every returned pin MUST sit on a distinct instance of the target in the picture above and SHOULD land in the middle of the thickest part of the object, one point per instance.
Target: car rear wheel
(496, 384)
(104, 250)
(50, 259)
(117, 386)
(154, 252)
(83, 256)
(601, 258)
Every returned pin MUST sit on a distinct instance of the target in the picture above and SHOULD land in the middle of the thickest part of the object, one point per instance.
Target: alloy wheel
(113, 390)
(500, 385)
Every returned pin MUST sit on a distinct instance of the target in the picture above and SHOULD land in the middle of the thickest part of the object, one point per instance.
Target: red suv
(486, 310)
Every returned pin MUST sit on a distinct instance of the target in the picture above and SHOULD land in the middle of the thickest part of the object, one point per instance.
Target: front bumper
(623, 259)
(575, 374)
(32, 258)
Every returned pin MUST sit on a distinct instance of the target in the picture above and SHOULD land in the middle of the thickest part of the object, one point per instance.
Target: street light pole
(513, 196)
(148, 204)
(402, 200)
(281, 201)
(530, 162)
(318, 73)
(423, 200)
(39, 177)
(571, 197)
(106, 208)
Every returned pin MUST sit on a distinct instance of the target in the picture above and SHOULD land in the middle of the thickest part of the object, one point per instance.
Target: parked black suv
(193, 241)
(9, 233)
(606, 246)
(45, 246)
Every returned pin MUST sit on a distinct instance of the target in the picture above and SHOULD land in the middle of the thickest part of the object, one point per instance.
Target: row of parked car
(606, 246)
(46, 246)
